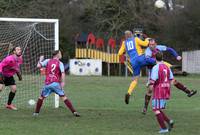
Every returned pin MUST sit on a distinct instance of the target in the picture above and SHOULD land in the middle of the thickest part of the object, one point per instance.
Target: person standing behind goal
(54, 82)
(10, 66)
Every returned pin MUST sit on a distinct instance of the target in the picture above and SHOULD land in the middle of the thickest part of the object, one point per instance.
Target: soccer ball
(31, 102)
(159, 4)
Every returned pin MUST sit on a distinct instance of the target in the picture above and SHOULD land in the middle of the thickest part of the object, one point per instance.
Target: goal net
(36, 37)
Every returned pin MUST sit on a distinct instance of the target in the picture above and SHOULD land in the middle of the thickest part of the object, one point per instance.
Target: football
(31, 102)
(159, 4)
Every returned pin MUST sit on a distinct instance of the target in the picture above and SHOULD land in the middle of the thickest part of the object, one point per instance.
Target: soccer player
(151, 52)
(54, 82)
(161, 77)
(133, 47)
(10, 66)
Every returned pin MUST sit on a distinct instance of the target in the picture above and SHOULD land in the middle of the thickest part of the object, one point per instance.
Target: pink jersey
(10, 65)
(53, 72)
(162, 84)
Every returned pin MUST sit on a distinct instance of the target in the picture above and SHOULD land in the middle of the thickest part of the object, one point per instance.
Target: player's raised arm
(170, 50)
(141, 42)
(39, 65)
(174, 53)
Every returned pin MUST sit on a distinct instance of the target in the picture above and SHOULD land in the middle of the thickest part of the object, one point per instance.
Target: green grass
(100, 101)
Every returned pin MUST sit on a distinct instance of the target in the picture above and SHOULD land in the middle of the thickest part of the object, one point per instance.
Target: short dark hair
(55, 52)
(159, 56)
(14, 48)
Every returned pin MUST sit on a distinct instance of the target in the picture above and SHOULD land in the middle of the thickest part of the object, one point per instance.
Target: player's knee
(13, 88)
(63, 97)
(41, 97)
(174, 82)
(156, 112)
(149, 91)
(136, 79)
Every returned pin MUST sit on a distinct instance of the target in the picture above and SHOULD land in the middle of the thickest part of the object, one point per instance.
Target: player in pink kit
(10, 66)
(160, 84)
(54, 82)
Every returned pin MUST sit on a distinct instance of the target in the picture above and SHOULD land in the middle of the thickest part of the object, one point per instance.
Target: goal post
(36, 37)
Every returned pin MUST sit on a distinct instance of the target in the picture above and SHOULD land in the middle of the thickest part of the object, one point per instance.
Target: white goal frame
(56, 31)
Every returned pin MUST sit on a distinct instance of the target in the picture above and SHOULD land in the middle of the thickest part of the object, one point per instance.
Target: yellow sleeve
(167, 64)
(122, 49)
(141, 42)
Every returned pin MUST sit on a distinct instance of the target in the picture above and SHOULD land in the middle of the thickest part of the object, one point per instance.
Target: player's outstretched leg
(180, 86)
(38, 106)
(11, 96)
(70, 106)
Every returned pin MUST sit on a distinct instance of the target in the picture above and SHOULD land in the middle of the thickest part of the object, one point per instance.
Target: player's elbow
(63, 75)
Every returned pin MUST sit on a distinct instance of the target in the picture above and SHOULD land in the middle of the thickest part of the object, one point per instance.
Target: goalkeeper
(10, 66)
(151, 52)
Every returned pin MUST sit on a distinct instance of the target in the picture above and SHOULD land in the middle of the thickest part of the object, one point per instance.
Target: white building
(191, 61)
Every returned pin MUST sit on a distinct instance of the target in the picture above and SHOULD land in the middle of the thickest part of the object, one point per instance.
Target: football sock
(181, 87)
(146, 102)
(160, 121)
(165, 117)
(132, 87)
(69, 105)
(38, 106)
(10, 97)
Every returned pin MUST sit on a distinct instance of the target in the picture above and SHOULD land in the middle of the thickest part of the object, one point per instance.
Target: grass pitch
(100, 101)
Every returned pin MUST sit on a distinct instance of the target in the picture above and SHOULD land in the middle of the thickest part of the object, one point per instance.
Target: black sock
(10, 97)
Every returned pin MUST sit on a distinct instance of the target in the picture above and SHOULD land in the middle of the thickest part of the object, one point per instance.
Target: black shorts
(7, 81)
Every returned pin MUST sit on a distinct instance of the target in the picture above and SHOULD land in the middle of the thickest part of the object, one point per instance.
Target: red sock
(165, 117)
(180, 86)
(69, 105)
(38, 106)
(160, 120)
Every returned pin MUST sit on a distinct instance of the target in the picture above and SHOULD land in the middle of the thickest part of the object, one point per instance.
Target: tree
(180, 28)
